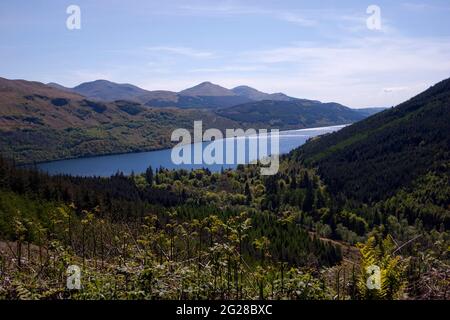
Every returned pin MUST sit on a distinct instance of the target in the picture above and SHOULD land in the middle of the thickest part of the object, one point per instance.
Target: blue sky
(309, 49)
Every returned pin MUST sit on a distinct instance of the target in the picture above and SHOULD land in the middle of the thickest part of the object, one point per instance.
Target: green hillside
(372, 159)
(292, 114)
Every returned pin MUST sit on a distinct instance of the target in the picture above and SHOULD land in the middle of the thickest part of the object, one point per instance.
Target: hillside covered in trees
(372, 159)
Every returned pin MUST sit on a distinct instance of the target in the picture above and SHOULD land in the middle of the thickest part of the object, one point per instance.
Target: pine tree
(248, 193)
(149, 176)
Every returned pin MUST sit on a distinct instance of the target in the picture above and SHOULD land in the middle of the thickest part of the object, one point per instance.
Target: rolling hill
(402, 147)
(109, 91)
(370, 111)
(205, 95)
(291, 114)
(209, 95)
(207, 89)
(41, 123)
(256, 95)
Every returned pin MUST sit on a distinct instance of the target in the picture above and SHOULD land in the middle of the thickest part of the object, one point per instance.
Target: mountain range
(47, 122)
(205, 95)
(40, 122)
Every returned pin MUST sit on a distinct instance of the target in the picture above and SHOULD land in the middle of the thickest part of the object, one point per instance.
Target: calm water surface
(138, 162)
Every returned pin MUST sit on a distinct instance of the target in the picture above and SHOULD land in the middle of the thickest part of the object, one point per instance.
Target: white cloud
(395, 89)
(357, 23)
(381, 70)
(232, 68)
(420, 7)
(183, 51)
(359, 72)
(296, 18)
(227, 9)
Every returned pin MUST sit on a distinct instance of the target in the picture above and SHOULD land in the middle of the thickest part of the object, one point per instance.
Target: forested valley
(374, 193)
(202, 235)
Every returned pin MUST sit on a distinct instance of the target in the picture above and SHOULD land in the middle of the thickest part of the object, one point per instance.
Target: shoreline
(28, 165)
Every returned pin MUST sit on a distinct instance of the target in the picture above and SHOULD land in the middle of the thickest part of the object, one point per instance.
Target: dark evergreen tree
(149, 176)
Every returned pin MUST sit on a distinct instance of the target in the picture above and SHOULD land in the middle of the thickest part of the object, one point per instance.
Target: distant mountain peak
(58, 86)
(109, 91)
(257, 95)
(207, 89)
(102, 82)
(244, 87)
(204, 95)
(51, 84)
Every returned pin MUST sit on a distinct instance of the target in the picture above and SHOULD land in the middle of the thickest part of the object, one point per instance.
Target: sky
(321, 50)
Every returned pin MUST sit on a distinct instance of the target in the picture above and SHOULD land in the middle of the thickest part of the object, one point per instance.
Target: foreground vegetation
(202, 235)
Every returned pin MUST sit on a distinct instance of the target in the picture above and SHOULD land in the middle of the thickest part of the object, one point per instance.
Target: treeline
(130, 199)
